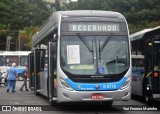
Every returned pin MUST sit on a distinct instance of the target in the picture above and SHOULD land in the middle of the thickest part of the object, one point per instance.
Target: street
(29, 99)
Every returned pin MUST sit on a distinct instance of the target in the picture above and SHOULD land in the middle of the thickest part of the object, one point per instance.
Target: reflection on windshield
(76, 58)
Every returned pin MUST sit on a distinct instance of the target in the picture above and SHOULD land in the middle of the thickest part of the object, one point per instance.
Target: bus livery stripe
(96, 86)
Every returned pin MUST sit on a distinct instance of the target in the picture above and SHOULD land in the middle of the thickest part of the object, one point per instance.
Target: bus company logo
(6, 108)
(97, 76)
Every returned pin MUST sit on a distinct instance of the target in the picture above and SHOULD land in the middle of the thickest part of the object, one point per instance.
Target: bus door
(31, 71)
(39, 56)
(156, 68)
(52, 58)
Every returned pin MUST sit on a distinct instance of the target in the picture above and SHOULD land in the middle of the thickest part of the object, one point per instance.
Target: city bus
(82, 56)
(18, 57)
(146, 64)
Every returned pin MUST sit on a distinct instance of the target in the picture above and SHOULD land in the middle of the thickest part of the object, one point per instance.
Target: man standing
(25, 73)
(12, 72)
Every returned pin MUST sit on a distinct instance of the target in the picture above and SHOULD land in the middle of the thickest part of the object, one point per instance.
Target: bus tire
(147, 100)
(107, 103)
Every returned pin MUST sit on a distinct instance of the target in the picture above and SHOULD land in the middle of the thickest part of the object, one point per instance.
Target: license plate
(97, 96)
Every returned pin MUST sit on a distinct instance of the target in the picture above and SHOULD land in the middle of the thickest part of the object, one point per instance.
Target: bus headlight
(126, 84)
(65, 84)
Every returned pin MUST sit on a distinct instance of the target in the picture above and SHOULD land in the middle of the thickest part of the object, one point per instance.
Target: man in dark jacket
(25, 73)
(12, 73)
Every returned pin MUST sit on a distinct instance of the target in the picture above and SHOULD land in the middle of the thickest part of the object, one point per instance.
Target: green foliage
(25, 37)
(140, 14)
(18, 14)
(57, 5)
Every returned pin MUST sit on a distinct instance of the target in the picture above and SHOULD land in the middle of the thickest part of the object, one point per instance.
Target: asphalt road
(26, 99)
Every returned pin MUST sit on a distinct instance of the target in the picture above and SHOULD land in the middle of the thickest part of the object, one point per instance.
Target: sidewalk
(20, 98)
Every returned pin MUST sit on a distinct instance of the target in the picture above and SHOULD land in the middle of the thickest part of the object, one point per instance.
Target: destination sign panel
(93, 27)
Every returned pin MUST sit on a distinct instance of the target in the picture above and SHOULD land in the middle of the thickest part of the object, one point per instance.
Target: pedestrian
(25, 73)
(12, 74)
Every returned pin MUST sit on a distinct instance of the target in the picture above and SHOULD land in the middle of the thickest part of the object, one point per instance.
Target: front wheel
(20, 78)
(107, 103)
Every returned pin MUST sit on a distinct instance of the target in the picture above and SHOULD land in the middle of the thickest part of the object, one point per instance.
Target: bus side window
(138, 65)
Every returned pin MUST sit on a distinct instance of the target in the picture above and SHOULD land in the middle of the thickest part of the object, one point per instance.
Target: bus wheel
(107, 103)
(147, 100)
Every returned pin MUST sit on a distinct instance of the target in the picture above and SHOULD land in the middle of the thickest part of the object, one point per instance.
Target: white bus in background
(9, 57)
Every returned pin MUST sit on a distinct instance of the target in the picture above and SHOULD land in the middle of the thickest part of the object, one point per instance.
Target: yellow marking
(149, 74)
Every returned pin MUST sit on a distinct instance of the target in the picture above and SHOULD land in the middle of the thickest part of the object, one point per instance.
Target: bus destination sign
(93, 27)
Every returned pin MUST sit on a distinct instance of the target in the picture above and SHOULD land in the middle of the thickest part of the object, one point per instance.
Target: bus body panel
(83, 96)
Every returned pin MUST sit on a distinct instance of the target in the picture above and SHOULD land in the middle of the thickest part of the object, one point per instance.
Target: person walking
(12, 74)
(25, 73)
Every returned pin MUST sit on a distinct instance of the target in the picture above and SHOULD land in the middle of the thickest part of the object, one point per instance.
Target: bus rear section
(87, 59)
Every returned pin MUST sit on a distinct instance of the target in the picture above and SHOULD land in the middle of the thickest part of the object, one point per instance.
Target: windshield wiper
(85, 43)
(105, 43)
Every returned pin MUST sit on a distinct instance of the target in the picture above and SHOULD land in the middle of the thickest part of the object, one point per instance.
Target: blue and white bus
(146, 64)
(82, 56)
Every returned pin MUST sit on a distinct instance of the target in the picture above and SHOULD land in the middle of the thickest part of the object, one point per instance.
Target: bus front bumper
(78, 96)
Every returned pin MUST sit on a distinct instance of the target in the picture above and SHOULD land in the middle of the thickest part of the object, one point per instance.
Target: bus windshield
(94, 54)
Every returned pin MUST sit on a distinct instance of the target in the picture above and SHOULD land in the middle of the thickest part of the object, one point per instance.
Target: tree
(57, 5)
(25, 37)
(15, 15)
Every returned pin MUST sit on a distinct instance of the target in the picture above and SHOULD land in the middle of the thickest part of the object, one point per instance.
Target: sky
(73, 0)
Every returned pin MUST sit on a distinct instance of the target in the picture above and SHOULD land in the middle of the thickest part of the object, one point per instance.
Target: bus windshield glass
(88, 55)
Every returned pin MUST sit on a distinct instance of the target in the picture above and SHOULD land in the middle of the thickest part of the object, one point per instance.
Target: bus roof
(95, 13)
(141, 34)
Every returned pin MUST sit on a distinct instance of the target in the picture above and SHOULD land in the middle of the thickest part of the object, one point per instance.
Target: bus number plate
(97, 96)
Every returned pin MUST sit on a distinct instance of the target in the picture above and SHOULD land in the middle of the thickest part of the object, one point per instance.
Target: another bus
(146, 64)
(82, 56)
(18, 57)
